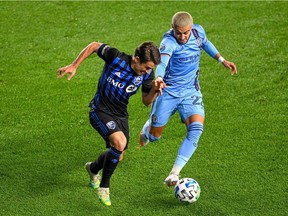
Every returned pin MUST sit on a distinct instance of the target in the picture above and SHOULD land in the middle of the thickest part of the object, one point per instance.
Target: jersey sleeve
(167, 46)
(207, 45)
(107, 53)
(201, 33)
(147, 83)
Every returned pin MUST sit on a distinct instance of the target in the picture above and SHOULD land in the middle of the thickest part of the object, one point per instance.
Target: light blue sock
(188, 146)
(145, 131)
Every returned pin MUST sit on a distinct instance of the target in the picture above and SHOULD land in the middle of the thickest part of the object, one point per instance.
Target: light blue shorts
(166, 105)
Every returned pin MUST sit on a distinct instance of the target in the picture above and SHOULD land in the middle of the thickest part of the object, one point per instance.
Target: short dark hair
(148, 51)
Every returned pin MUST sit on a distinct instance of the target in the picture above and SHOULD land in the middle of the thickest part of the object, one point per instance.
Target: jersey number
(197, 100)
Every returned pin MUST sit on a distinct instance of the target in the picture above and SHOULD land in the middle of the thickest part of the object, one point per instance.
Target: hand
(67, 69)
(231, 66)
(158, 84)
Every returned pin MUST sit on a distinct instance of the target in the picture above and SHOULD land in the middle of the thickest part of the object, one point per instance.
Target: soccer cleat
(94, 179)
(104, 196)
(171, 180)
(143, 140)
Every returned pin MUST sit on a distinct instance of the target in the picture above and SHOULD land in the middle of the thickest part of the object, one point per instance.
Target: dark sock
(97, 165)
(110, 164)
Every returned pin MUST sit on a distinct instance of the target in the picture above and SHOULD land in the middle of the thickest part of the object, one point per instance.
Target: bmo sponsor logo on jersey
(131, 88)
(115, 83)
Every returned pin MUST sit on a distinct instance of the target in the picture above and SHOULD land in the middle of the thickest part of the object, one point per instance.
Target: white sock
(176, 169)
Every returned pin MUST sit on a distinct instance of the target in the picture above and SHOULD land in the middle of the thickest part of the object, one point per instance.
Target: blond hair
(182, 19)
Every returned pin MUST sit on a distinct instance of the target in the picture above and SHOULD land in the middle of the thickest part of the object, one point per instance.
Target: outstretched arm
(213, 52)
(85, 53)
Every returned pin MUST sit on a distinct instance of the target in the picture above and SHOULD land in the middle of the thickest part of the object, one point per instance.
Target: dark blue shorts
(106, 124)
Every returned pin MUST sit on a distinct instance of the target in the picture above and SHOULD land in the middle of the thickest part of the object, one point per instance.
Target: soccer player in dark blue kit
(121, 77)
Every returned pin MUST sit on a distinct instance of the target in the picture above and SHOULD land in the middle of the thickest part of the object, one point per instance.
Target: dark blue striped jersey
(118, 82)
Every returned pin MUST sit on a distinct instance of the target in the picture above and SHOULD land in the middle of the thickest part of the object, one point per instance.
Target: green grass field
(45, 139)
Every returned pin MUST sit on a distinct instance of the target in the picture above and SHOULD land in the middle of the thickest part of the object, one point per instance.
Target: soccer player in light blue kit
(180, 51)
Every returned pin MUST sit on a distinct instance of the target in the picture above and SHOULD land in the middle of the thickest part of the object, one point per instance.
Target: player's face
(142, 68)
(182, 34)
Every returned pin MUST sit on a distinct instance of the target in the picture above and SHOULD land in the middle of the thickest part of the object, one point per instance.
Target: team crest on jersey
(111, 125)
(199, 41)
(138, 80)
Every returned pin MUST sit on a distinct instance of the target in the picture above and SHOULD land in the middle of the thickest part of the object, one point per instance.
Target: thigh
(192, 105)
(163, 107)
(106, 124)
(124, 127)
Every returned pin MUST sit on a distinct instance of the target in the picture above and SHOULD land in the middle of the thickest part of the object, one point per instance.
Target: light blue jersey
(182, 71)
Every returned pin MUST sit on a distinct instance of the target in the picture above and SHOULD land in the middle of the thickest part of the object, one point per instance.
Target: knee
(119, 145)
(194, 130)
(118, 141)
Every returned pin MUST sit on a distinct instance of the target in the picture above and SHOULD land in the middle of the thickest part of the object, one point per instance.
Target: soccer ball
(187, 190)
